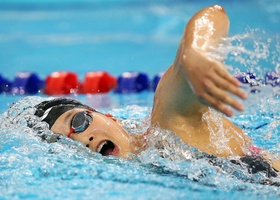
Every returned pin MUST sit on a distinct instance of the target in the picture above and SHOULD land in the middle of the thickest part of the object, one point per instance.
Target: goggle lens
(80, 122)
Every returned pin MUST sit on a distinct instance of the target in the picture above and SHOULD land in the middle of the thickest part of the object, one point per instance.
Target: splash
(253, 51)
(30, 163)
(257, 52)
(170, 154)
(248, 52)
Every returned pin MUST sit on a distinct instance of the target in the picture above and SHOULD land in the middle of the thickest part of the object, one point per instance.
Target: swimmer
(182, 101)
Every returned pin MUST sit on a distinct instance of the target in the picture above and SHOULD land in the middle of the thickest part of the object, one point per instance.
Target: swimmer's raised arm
(209, 78)
(194, 76)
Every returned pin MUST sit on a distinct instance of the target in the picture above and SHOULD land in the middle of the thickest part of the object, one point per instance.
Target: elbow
(218, 8)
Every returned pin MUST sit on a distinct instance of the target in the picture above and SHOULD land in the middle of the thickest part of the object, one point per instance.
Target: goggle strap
(71, 131)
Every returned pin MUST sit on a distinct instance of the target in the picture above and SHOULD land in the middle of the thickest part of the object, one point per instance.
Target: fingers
(223, 96)
(216, 104)
(214, 85)
(223, 73)
(217, 94)
(229, 85)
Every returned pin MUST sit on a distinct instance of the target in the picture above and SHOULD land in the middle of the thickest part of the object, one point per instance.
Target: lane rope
(67, 82)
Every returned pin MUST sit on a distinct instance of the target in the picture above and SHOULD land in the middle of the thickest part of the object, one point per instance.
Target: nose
(90, 139)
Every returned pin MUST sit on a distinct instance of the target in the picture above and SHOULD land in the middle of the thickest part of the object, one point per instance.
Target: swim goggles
(80, 122)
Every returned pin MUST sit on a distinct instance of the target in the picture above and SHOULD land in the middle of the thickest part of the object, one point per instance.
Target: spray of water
(250, 52)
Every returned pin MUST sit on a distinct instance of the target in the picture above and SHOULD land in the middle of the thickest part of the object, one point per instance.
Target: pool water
(118, 36)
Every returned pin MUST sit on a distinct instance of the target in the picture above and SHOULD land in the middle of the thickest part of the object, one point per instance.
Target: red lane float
(98, 82)
(59, 83)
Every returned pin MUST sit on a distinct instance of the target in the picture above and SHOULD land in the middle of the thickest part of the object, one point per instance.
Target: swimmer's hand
(211, 82)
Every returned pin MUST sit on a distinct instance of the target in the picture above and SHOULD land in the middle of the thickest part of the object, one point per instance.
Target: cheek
(60, 129)
(121, 136)
(111, 127)
(85, 139)
(113, 130)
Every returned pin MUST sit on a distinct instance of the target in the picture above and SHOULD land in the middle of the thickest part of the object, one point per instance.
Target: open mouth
(107, 148)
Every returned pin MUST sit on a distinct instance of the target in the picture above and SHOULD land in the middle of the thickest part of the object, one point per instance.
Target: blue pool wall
(114, 36)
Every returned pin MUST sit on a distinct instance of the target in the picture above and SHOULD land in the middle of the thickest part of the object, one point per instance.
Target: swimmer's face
(101, 133)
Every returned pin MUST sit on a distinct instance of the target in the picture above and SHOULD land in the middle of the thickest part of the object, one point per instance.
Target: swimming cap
(49, 111)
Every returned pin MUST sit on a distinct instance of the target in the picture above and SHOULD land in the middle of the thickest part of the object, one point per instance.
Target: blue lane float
(156, 80)
(26, 83)
(272, 78)
(5, 85)
(132, 82)
(248, 78)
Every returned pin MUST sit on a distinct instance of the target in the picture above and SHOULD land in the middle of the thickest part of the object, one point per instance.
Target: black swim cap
(50, 110)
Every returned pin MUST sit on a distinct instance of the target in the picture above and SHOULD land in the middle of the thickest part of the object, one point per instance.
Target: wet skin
(104, 135)
(177, 103)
